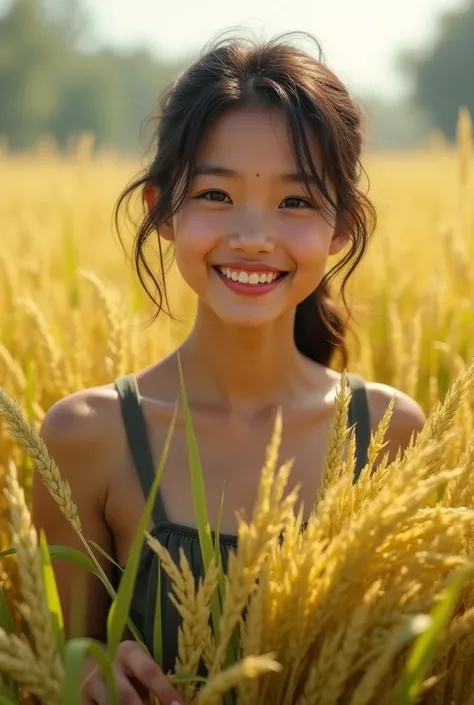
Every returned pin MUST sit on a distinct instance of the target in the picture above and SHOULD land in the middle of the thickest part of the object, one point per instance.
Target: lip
(249, 266)
(249, 289)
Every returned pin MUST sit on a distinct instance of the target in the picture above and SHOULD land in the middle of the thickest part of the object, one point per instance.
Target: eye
(215, 196)
(295, 202)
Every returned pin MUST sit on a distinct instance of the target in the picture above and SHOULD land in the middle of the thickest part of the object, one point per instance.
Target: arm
(75, 434)
(81, 437)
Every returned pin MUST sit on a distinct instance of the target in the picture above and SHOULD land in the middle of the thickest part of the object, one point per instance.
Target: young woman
(255, 182)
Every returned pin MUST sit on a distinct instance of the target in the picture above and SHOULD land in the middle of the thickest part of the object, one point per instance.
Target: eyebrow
(216, 170)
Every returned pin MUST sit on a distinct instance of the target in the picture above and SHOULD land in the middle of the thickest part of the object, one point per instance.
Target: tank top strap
(138, 440)
(359, 416)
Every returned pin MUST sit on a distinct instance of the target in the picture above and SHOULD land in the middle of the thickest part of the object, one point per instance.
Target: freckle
(257, 175)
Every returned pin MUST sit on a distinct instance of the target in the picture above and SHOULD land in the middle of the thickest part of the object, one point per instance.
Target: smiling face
(248, 239)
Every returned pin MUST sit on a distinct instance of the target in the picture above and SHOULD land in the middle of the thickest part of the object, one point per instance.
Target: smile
(244, 277)
(245, 282)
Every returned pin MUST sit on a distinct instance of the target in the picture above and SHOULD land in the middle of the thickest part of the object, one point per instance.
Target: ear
(341, 235)
(150, 195)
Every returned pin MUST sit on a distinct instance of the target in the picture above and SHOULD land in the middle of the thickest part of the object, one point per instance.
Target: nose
(252, 237)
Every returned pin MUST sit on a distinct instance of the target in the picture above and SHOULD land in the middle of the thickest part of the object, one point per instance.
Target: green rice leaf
(6, 698)
(27, 482)
(52, 596)
(6, 621)
(105, 554)
(157, 625)
(217, 551)
(63, 553)
(119, 611)
(424, 648)
(72, 555)
(199, 498)
(77, 651)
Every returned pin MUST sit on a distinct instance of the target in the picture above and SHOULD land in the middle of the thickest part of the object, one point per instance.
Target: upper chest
(232, 453)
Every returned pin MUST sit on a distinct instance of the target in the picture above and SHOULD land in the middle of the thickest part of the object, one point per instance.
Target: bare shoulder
(84, 415)
(407, 417)
(80, 433)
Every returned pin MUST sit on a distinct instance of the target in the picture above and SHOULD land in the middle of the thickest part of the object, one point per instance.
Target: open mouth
(258, 278)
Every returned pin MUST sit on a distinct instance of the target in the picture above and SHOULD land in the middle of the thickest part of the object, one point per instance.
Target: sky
(360, 38)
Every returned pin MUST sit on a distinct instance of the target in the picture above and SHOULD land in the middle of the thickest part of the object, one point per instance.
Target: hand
(136, 674)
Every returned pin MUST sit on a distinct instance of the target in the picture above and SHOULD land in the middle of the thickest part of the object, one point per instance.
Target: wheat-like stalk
(35, 607)
(29, 438)
(250, 667)
(21, 663)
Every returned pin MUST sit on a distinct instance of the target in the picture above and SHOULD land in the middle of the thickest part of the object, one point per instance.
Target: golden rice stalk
(18, 660)
(337, 438)
(13, 369)
(321, 667)
(397, 344)
(366, 689)
(35, 608)
(9, 279)
(250, 667)
(368, 485)
(51, 353)
(442, 416)
(29, 438)
(195, 609)
(343, 664)
(345, 562)
(412, 362)
(460, 492)
(115, 326)
(254, 541)
(252, 636)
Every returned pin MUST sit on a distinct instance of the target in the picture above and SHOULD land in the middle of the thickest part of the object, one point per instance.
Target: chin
(246, 319)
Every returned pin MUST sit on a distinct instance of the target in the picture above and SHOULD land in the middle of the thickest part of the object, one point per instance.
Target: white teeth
(254, 278)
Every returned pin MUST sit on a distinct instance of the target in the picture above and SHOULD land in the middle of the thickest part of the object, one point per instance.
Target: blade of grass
(63, 553)
(157, 625)
(424, 648)
(76, 652)
(105, 554)
(217, 551)
(231, 655)
(30, 397)
(232, 649)
(52, 596)
(84, 561)
(6, 623)
(199, 498)
(6, 698)
(119, 611)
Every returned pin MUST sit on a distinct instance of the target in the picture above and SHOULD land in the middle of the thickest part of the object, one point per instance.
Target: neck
(243, 367)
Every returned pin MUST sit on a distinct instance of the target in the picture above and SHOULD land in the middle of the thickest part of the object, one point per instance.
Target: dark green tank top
(176, 536)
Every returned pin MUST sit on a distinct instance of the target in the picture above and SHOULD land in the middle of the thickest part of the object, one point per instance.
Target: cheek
(310, 244)
(195, 238)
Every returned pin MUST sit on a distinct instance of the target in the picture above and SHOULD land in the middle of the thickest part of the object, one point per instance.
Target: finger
(127, 695)
(94, 691)
(142, 667)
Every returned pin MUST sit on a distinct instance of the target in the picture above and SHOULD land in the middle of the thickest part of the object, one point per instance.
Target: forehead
(253, 138)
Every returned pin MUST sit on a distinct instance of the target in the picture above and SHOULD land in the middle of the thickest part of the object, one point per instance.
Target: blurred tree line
(49, 84)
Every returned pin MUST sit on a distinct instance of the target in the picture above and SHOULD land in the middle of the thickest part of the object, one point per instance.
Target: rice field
(72, 315)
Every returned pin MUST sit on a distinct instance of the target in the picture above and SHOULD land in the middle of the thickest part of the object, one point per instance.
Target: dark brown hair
(242, 72)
